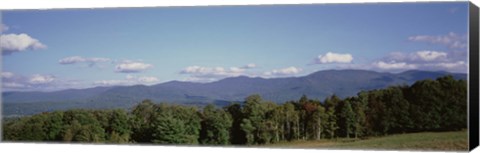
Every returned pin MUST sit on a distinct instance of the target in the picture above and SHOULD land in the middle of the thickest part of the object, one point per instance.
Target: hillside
(317, 85)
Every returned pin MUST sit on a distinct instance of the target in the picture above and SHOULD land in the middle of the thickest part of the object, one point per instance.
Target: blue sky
(46, 50)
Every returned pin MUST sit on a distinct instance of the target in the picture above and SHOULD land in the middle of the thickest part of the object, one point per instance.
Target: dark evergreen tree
(237, 135)
(216, 124)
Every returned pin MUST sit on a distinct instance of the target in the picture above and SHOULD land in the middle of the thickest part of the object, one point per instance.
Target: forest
(426, 105)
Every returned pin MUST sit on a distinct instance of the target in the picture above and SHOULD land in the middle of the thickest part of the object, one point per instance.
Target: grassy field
(426, 141)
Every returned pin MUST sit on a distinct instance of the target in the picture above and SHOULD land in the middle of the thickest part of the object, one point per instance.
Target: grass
(425, 141)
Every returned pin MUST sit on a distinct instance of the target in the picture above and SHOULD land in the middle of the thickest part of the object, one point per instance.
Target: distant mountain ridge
(315, 85)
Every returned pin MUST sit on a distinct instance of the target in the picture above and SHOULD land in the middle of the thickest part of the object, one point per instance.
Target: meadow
(425, 141)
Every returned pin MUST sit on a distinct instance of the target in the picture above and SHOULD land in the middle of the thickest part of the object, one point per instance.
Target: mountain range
(316, 85)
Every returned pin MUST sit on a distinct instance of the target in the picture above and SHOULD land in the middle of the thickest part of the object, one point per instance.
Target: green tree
(268, 127)
(191, 118)
(375, 113)
(454, 96)
(305, 108)
(330, 125)
(319, 119)
(346, 118)
(12, 129)
(359, 106)
(119, 129)
(33, 128)
(254, 113)
(427, 105)
(237, 134)
(216, 124)
(82, 126)
(397, 115)
(53, 126)
(277, 116)
(142, 117)
(291, 121)
(249, 130)
(426, 97)
(169, 130)
(174, 117)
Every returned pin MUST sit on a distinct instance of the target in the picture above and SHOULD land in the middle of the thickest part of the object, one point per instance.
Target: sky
(47, 50)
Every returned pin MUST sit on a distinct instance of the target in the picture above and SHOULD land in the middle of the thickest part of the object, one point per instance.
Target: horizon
(250, 77)
(53, 50)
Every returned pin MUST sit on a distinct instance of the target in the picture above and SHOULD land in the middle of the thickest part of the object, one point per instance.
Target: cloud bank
(41, 79)
(129, 80)
(451, 40)
(207, 74)
(394, 65)
(331, 57)
(78, 59)
(197, 73)
(288, 71)
(425, 59)
(11, 81)
(132, 67)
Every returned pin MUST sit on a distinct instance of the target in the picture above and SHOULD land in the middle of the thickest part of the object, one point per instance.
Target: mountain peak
(342, 72)
(422, 71)
(176, 83)
(239, 78)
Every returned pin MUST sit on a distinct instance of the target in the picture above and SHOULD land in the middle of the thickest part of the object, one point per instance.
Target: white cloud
(37, 82)
(451, 40)
(334, 58)
(111, 82)
(148, 79)
(13, 81)
(18, 42)
(199, 79)
(212, 72)
(237, 70)
(284, 72)
(431, 55)
(7, 75)
(3, 27)
(452, 61)
(418, 57)
(249, 66)
(208, 74)
(425, 60)
(71, 60)
(452, 65)
(129, 80)
(41, 79)
(14, 85)
(393, 65)
(132, 67)
(79, 59)
(199, 69)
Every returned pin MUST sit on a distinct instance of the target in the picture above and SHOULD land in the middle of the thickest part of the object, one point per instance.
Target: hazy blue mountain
(64, 95)
(316, 85)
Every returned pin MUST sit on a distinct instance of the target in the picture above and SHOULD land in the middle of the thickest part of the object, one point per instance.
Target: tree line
(427, 105)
